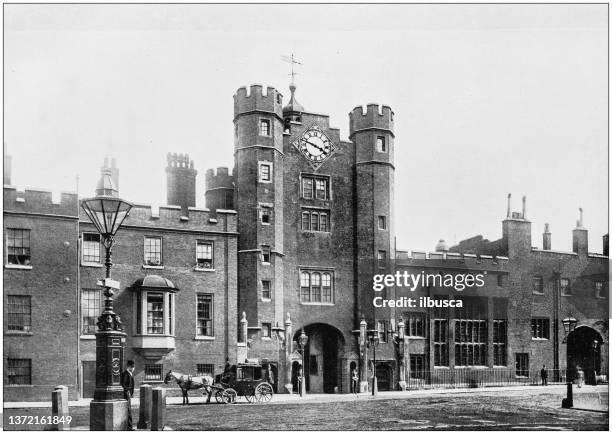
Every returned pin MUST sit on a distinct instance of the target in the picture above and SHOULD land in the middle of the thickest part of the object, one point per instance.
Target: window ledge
(204, 270)
(266, 338)
(540, 339)
(266, 300)
(316, 303)
(241, 344)
(265, 263)
(87, 337)
(416, 337)
(441, 367)
(17, 333)
(91, 264)
(471, 367)
(154, 267)
(18, 267)
(537, 293)
(204, 338)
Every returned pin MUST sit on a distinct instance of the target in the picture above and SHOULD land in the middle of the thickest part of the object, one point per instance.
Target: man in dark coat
(544, 375)
(127, 382)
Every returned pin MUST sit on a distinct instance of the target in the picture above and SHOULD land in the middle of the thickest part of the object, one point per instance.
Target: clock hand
(316, 146)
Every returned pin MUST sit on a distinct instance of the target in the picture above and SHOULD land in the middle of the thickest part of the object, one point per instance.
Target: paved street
(526, 409)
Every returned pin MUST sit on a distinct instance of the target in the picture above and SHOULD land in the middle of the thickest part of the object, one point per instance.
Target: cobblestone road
(501, 410)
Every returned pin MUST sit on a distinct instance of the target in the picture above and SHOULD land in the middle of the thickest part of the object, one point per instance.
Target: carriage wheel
(264, 392)
(219, 396)
(230, 396)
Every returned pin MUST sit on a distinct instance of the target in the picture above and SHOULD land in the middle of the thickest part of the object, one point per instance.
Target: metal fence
(483, 377)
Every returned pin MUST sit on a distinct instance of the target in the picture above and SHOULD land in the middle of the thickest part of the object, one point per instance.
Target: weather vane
(291, 59)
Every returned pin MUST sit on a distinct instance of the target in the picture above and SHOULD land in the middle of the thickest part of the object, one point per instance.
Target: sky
(488, 100)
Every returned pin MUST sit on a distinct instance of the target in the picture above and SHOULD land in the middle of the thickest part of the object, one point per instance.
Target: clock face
(315, 145)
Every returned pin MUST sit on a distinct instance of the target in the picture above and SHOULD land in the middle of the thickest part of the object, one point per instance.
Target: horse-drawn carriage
(248, 380)
(244, 379)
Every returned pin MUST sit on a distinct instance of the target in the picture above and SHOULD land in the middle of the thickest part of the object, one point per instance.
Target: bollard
(146, 401)
(158, 409)
(59, 408)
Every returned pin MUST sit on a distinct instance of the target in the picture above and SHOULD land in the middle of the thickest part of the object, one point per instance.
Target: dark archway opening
(322, 358)
(584, 352)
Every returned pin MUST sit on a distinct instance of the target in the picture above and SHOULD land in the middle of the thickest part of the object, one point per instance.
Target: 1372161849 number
(38, 420)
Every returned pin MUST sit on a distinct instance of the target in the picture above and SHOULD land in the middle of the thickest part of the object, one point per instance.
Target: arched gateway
(323, 358)
(584, 352)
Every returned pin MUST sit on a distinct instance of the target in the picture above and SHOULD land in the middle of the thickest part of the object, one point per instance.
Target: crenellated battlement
(180, 161)
(449, 259)
(221, 178)
(40, 202)
(173, 217)
(375, 116)
(254, 99)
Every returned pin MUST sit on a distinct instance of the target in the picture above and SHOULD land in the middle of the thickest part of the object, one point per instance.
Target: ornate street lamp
(108, 410)
(374, 340)
(302, 341)
(569, 324)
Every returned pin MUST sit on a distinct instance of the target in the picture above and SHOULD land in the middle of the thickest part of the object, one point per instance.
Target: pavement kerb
(286, 398)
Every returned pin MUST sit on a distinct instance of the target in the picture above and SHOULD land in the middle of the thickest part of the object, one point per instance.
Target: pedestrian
(299, 378)
(544, 375)
(270, 375)
(580, 376)
(127, 382)
(354, 381)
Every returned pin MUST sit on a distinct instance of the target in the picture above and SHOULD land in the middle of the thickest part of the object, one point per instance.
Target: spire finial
(293, 61)
(293, 105)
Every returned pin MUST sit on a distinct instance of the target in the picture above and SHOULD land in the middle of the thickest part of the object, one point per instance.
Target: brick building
(177, 268)
(289, 243)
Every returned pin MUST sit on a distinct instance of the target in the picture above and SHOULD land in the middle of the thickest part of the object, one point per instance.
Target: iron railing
(484, 377)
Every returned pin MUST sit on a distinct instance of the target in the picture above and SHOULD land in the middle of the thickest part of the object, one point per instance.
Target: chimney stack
(509, 214)
(524, 207)
(580, 237)
(181, 181)
(546, 241)
(605, 245)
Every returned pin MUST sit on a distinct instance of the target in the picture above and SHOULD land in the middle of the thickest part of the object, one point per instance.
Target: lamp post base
(303, 386)
(374, 386)
(108, 415)
(569, 401)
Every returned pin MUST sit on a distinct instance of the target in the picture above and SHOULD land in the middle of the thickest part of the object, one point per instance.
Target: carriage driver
(127, 382)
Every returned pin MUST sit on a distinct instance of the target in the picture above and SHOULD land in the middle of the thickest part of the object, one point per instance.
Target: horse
(188, 382)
